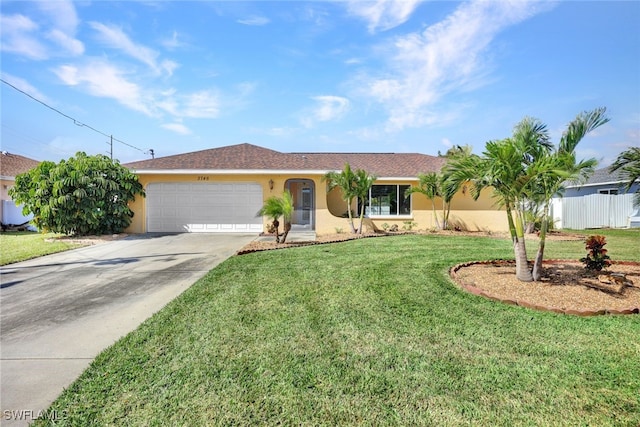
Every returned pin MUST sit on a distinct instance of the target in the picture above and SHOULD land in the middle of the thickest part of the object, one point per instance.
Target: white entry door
(204, 207)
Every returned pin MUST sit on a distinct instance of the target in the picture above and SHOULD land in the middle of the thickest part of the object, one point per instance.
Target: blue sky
(338, 76)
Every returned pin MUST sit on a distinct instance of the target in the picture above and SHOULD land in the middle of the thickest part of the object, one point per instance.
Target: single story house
(601, 182)
(12, 165)
(222, 189)
(599, 202)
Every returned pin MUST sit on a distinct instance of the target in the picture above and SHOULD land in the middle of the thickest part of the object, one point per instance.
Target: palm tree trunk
(537, 265)
(287, 228)
(361, 218)
(520, 251)
(445, 215)
(353, 228)
(435, 214)
(276, 225)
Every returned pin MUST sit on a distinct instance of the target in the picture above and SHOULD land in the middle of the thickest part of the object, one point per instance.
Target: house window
(608, 191)
(388, 200)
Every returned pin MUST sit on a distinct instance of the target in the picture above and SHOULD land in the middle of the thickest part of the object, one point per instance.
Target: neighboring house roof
(600, 177)
(13, 164)
(251, 158)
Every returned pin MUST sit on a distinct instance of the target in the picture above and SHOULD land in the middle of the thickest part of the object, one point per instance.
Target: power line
(75, 121)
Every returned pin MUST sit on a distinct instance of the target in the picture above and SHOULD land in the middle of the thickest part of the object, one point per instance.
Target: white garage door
(204, 207)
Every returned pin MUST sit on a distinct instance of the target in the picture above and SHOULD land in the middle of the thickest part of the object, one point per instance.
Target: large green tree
(79, 196)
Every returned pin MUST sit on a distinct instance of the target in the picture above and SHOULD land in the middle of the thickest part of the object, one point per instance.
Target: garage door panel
(204, 207)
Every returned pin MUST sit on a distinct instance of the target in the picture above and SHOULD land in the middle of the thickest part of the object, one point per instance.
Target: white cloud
(446, 57)
(25, 86)
(254, 21)
(172, 42)
(203, 104)
(100, 78)
(177, 128)
(115, 38)
(199, 105)
(18, 35)
(326, 108)
(26, 36)
(72, 45)
(62, 13)
(383, 14)
(64, 24)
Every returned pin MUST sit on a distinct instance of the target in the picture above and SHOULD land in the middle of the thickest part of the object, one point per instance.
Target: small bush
(408, 225)
(597, 257)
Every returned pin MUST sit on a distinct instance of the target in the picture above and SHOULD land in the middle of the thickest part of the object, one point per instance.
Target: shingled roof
(599, 177)
(251, 157)
(13, 164)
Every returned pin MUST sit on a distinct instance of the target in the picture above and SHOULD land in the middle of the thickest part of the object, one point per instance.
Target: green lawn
(22, 245)
(367, 332)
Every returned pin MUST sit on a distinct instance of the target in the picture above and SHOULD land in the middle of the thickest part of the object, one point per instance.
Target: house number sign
(203, 178)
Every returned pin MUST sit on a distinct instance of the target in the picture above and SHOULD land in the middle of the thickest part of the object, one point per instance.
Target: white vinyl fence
(593, 211)
(12, 214)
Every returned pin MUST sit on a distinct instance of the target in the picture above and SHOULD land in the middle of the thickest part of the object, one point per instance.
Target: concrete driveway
(59, 311)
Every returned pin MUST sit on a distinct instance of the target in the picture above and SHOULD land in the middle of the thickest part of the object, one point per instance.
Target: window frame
(609, 191)
(399, 194)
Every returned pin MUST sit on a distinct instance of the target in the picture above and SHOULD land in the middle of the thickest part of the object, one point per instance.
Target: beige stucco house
(222, 189)
(12, 165)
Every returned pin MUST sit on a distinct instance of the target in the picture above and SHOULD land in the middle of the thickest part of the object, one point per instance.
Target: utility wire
(75, 121)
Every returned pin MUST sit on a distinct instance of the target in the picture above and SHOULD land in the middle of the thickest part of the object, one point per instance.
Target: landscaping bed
(566, 286)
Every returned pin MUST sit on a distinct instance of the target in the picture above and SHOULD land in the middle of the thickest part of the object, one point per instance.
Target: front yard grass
(367, 332)
(18, 246)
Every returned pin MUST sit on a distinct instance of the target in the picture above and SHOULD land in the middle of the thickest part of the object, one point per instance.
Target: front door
(303, 194)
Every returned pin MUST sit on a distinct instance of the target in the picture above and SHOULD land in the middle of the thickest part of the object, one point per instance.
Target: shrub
(408, 225)
(597, 257)
(79, 196)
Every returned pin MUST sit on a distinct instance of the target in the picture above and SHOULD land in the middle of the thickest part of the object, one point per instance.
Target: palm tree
(273, 209)
(429, 186)
(286, 206)
(526, 168)
(628, 163)
(346, 181)
(504, 167)
(560, 166)
(364, 181)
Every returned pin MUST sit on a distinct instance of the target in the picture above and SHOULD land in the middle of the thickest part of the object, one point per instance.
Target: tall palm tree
(628, 163)
(504, 167)
(346, 181)
(363, 181)
(554, 168)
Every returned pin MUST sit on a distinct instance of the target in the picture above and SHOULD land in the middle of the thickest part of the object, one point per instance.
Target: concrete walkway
(58, 312)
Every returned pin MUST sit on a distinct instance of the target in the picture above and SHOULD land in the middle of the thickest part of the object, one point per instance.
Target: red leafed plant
(597, 257)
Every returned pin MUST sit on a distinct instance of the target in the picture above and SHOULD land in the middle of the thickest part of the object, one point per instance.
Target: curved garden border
(453, 272)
